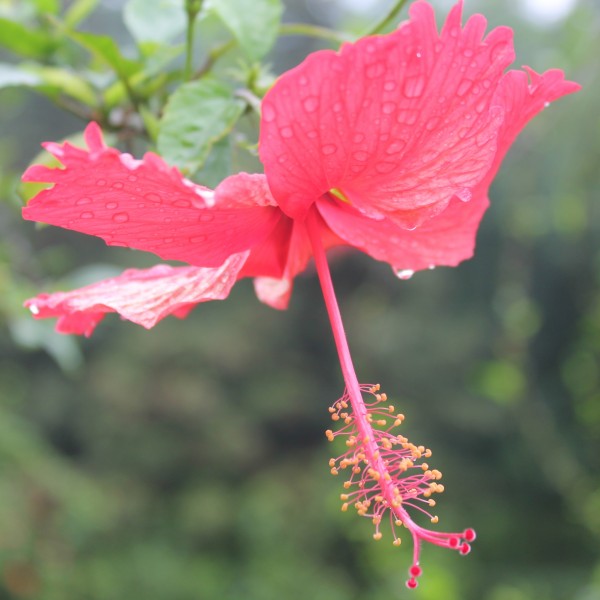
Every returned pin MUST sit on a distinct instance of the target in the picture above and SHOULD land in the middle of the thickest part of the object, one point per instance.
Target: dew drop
(389, 86)
(168, 240)
(132, 177)
(337, 107)
(117, 185)
(404, 274)
(182, 203)
(358, 138)
(206, 217)
(432, 123)
(546, 104)
(121, 217)
(86, 215)
(197, 239)
(464, 195)
(360, 156)
(311, 135)
(311, 104)
(84, 200)
(303, 80)
(101, 182)
(286, 132)
(111, 205)
(414, 86)
(328, 149)
(34, 309)
(468, 52)
(268, 113)
(152, 197)
(395, 147)
(388, 108)
(431, 267)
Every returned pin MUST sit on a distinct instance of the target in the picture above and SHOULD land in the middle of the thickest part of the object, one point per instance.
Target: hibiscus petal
(277, 291)
(396, 124)
(144, 296)
(447, 239)
(144, 204)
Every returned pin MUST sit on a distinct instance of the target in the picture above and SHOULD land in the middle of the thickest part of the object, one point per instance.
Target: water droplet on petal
(432, 123)
(310, 104)
(431, 267)
(86, 215)
(84, 200)
(286, 132)
(132, 178)
(303, 80)
(152, 197)
(358, 137)
(117, 185)
(206, 217)
(34, 309)
(464, 195)
(389, 86)
(395, 147)
(311, 135)
(268, 113)
(468, 52)
(328, 149)
(360, 156)
(404, 274)
(101, 182)
(121, 217)
(181, 203)
(546, 104)
(111, 205)
(197, 239)
(388, 108)
(168, 240)
(414, 86)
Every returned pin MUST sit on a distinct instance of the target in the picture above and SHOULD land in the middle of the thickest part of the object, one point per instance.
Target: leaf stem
(387, 19)
(192, 8)
(314, 31)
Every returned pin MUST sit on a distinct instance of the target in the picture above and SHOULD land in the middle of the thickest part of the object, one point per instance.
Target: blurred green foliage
(190, 462)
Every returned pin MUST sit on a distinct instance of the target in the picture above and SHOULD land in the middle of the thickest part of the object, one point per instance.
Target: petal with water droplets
(447, 239)
(144, 204)
(144, 296)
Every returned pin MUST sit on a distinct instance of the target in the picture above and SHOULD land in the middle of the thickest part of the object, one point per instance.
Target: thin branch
(387, 19)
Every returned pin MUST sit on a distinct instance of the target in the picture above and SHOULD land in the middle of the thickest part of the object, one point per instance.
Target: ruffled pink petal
(276, 291)
(447, 239)
(143, 296)
(144, 204)
(522, 95)
(397, 124)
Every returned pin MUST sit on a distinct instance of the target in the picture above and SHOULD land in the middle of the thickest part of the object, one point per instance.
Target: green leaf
(254, 23)
(78, 11)
(106, 49)
(47, 6)
(155, 20)
(217, 165)
(62, 81)
(198, 114)
(23, 41)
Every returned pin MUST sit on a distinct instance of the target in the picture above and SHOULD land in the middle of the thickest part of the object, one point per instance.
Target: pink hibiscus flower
(388, 146)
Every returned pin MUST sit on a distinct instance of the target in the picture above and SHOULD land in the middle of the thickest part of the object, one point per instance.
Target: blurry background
(189, 462)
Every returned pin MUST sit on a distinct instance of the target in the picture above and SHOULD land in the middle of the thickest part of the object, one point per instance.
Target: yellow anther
(431, 502)
(334, 471)
(391, 408)
(427, 453)
(344, 507)
(347, 484)
(343, 497)
(335, 417)
(348, 420)
(344, 404)
(381, 422)
(424, 466)
(377, 535)
(332, 462)
(376, 520)
(331, 409)
(398, 522)
(384, 397)
(435, 519)
(397, 542)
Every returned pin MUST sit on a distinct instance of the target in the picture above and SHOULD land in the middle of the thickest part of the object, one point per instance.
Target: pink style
(388, 146)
